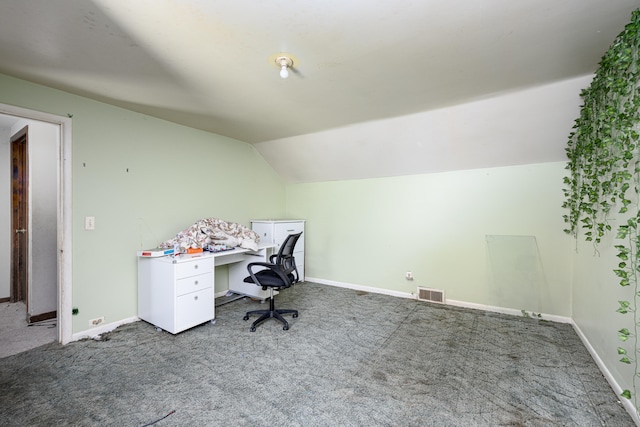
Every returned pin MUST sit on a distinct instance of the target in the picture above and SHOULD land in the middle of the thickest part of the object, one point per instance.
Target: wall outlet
(89, 223)
(408, 275)
(97, 321)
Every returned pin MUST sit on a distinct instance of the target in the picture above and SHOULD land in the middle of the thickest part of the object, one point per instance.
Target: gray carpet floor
(350, 359)
(16, 335)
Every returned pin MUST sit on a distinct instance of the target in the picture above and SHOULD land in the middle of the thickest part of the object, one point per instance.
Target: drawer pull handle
(195, 266)
(195, 283)
(196, 298)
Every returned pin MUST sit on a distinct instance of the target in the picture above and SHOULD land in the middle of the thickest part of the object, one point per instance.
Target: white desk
(177, 292)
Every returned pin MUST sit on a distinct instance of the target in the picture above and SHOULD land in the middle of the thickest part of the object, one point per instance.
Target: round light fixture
(284, 62)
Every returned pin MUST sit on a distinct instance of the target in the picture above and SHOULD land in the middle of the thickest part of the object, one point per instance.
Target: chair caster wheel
(295, 315)
(252, 329)
(245, 318)
(285, 328)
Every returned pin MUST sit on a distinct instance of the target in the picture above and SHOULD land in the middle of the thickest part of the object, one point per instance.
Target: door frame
(19, 287)
(64, 213)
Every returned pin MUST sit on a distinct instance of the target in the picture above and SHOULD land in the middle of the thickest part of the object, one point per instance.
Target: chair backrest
(285, 256)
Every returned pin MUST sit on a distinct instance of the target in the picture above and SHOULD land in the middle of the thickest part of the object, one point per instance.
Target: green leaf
(626, 394)
(623, 334)
(621, 273)
(624, 307)
(622, 350)
(626, 360)
(623, 230)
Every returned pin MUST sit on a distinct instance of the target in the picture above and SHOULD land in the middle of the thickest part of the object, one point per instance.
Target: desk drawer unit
(175, 294)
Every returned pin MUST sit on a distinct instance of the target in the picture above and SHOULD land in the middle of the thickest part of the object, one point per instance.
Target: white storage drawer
(282, 230)
(194, 267)
(192, 308)
(277, 231)
(194, 283)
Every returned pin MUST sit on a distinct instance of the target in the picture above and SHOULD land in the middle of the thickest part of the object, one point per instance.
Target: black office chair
(280, 273)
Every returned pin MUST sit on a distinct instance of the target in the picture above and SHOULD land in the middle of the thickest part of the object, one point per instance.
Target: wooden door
(19, 216)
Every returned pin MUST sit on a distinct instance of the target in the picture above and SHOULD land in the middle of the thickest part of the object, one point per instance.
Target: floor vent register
(431, 295)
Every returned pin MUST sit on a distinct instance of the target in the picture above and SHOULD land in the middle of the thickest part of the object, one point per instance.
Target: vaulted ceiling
(210, 64)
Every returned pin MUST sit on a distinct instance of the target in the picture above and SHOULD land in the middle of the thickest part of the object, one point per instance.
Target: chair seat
(269, 278)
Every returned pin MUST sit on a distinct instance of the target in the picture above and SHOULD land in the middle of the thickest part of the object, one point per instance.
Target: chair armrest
(261, 264)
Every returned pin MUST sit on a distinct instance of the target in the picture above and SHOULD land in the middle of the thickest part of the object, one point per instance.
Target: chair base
(271, 313)
(268, 314)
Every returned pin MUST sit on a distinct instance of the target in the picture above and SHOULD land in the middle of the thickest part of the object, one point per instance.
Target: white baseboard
(510, 311)
(108, 327)
(360, 287)
(626, 403)
(94, 332)
(483, 307)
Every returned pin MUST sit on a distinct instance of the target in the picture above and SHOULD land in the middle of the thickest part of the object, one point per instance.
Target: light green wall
(596, 292)
(144, 180)
(371, 232)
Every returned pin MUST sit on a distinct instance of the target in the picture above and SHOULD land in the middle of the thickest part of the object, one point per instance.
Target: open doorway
(19, 146)
(48, 234)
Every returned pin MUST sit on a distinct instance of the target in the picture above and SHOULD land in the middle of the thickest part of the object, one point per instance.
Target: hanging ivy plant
(604, 173)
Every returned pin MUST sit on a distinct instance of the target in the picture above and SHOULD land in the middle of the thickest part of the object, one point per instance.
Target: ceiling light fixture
(284, 62)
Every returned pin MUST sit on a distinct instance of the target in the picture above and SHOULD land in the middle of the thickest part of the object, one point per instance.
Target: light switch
(89, 222)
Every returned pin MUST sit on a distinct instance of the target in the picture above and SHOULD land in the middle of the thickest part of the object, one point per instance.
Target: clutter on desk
(218, 248)
(155, 252)
(213, 232)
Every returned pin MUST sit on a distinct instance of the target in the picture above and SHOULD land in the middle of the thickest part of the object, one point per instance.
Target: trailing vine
(604, 174)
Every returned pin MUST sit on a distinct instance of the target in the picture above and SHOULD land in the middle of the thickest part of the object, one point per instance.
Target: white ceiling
(209, 64)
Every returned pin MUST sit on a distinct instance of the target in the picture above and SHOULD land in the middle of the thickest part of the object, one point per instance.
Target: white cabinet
(276, 231)
(176, 293)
